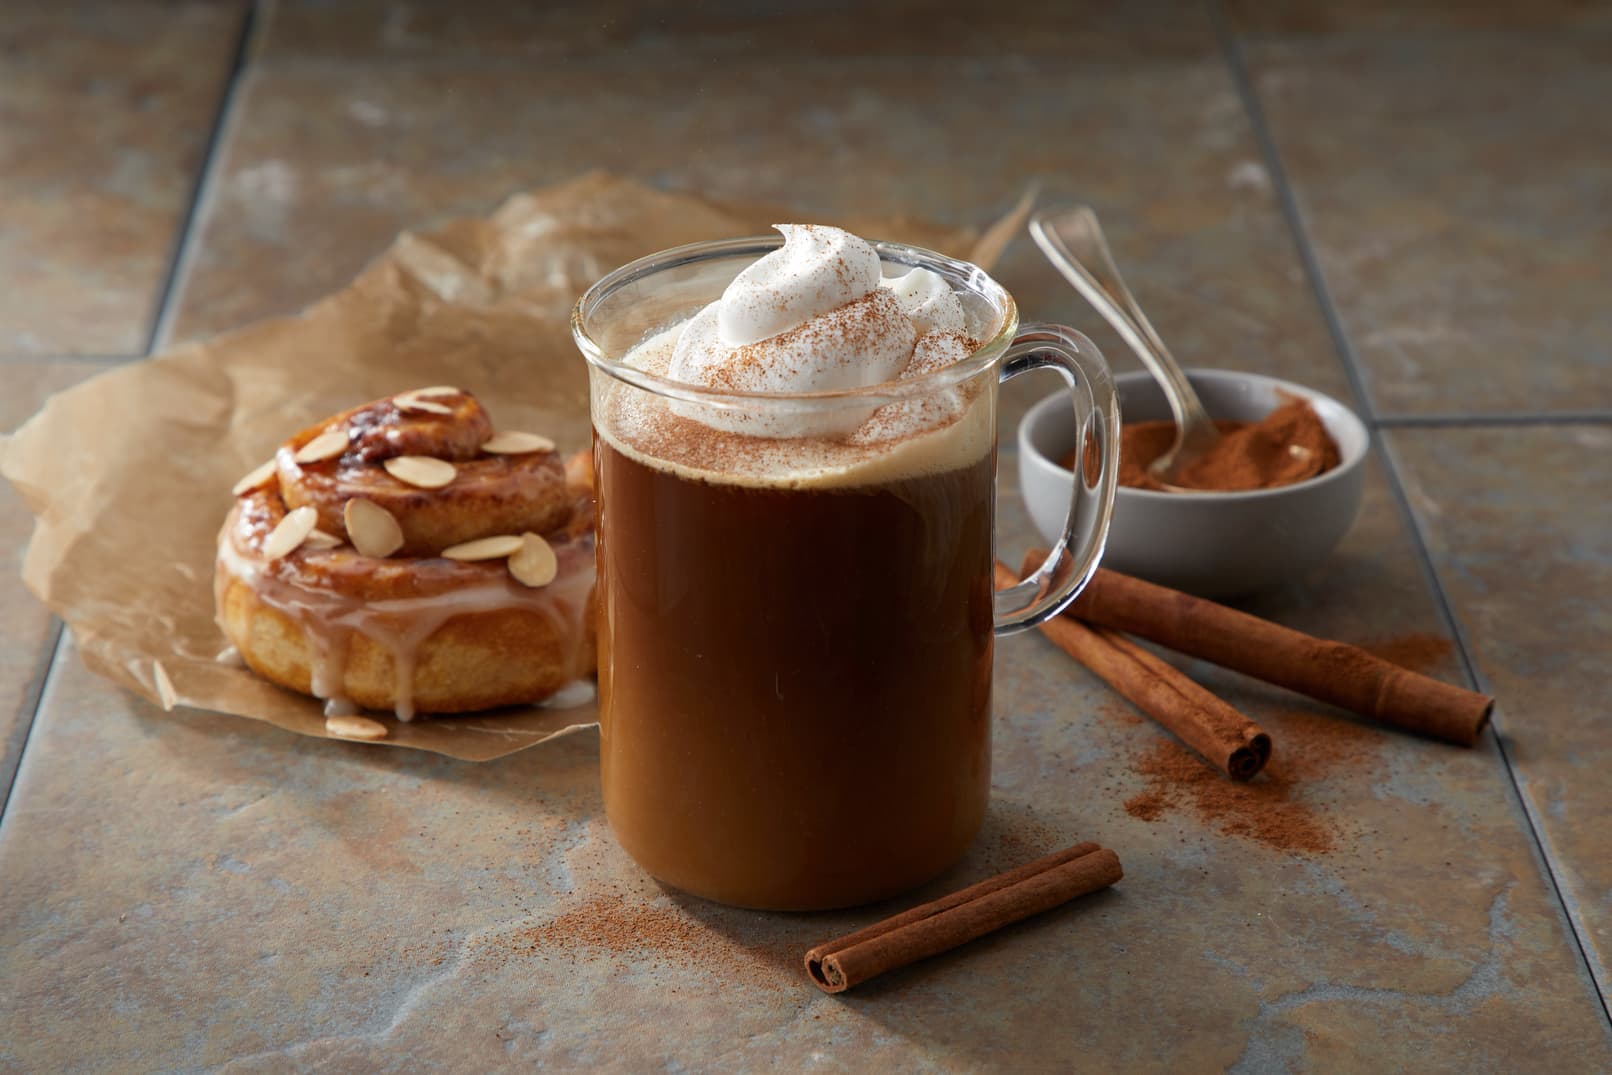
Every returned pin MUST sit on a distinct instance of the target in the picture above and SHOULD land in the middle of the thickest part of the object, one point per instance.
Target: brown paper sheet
(129, 473)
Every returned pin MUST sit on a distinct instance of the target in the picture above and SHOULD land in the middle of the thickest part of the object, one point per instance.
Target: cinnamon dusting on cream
(836, 327)
(945, 430)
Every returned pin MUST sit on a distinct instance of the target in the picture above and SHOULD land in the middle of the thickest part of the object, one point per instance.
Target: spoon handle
(1073, 240)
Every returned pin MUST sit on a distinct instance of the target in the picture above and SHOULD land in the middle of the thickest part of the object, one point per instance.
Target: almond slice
(421, 470)
(324, 446)
(425, 406)
(318, 539)
(487, 548)
(420, 399)
(291, 532)
(254, 479)
(535, 564)
(165, 687)
(361, 728)
(373, 529)
(513, 443)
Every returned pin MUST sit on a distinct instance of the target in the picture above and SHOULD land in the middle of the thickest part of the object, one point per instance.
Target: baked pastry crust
(413, 632)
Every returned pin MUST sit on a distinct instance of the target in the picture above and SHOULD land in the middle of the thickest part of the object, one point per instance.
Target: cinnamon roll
(406, 556)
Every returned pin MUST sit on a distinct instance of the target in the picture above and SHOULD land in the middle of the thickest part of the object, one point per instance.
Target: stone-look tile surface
(106, 107)
(329, 160)
(1455, 187)
(185, 890)
(188, 890)
(1305, 16)
(396, 29)
(27, 630)
(1519, 523)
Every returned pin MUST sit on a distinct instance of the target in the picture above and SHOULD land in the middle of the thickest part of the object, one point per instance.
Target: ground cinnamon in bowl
(1288, 445)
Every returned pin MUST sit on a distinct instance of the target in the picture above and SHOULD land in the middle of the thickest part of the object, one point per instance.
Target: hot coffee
(798, 699)
(795, 495)
(795, 653)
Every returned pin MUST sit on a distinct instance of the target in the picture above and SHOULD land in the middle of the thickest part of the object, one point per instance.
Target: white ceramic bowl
(1211, 544)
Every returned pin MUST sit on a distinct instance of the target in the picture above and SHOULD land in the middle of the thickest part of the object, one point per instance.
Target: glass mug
(795, 636)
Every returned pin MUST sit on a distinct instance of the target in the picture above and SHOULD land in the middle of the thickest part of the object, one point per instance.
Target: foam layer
(943, 431)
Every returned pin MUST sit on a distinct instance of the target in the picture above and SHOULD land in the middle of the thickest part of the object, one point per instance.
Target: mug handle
(1048, 591)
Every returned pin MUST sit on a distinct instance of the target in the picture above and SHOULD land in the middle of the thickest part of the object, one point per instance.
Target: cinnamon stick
(962, 916)
(1334, 672)
(1226, 738)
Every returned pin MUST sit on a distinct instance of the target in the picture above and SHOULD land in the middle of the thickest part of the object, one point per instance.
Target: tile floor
(1399, 206)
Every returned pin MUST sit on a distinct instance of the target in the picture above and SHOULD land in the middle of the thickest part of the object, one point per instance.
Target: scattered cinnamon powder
(1148, 806)
(1121, 710)
(611, 924)
(1268, 809)
(1288, 445)
(1420, 651)
(1013, 835)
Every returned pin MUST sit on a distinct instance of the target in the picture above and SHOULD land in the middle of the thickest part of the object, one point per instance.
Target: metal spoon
(1073, 241)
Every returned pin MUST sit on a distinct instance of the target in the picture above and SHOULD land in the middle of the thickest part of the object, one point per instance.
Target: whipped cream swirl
(815, 316)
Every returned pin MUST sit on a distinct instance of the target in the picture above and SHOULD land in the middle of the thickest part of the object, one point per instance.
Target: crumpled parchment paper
(129, 473)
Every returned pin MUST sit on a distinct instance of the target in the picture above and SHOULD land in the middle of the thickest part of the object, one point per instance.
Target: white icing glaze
(402, 625)
(340, 707)
(575, 693)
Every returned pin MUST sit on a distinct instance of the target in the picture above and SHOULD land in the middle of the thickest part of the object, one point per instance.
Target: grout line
(33, 702)
(1289, 207)
(1535, 825)
(1232, 53)
(187, 238)
(178, 265)
(1530, 418)
(31, 694)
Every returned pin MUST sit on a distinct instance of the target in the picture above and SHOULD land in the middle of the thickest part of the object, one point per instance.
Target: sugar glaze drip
(402, 625)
